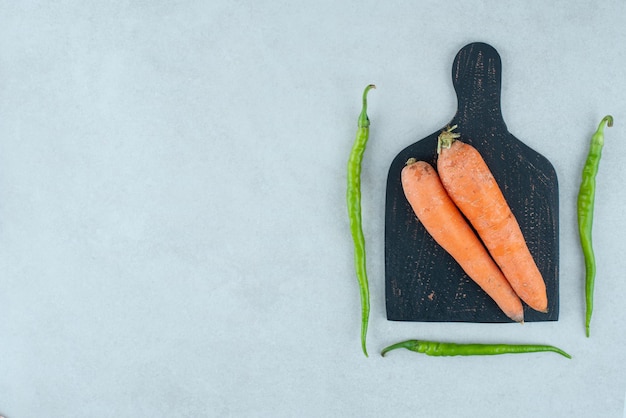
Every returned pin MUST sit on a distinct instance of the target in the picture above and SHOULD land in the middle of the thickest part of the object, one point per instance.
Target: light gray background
(173, 231)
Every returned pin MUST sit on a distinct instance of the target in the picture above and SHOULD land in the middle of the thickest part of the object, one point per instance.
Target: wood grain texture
(422, 282)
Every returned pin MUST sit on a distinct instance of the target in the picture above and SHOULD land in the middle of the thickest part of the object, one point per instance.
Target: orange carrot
(472, 187)
(443, 221)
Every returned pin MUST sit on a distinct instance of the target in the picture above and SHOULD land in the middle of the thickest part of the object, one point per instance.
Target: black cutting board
(422, 281)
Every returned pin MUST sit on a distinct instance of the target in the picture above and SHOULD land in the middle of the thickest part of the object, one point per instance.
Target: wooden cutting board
(422, 282)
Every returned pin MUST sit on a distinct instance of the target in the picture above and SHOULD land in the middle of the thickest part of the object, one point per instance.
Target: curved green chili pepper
(586, 199)
(433, 348)
(354, 211)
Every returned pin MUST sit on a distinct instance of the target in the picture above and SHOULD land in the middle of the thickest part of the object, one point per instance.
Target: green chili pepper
(433, 348)
(586, 199)
(354, 211)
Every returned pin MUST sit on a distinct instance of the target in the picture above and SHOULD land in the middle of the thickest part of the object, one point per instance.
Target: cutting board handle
(477, 80)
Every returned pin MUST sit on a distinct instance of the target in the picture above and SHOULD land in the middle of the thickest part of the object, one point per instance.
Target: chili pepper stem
(364, 121)
(404, 344)
(608, 119)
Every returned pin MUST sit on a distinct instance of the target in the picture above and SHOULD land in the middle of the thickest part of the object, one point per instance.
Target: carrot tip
(411, 161)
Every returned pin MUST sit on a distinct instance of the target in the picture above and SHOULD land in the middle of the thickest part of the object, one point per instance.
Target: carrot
(472, 187)
(445, 223)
